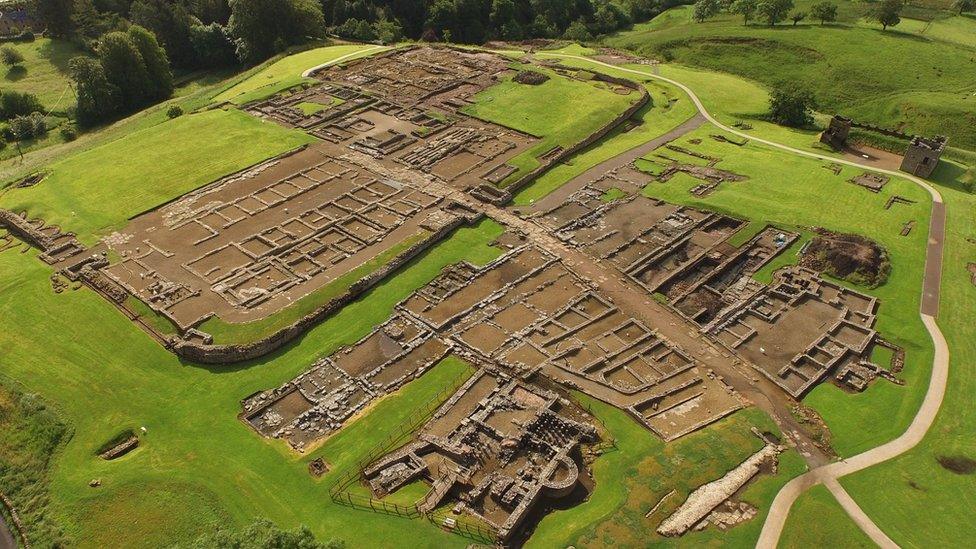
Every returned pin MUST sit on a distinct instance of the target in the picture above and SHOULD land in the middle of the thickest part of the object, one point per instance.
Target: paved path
(828, 474)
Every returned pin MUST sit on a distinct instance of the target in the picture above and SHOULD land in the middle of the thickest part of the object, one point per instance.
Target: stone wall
(198, 351)
(20, 227)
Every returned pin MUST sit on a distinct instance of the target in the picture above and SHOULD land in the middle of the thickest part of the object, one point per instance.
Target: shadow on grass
(952, 175)
(15, 73)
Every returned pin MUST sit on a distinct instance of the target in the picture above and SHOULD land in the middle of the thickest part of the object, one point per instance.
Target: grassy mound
(929, 90)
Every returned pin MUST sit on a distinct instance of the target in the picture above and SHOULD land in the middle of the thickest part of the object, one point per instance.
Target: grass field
(667, 109)
(286, 72)
(44, 72)
(817, 520)
(794, 195)
(197, 465)
(632, 478)
(928, 91)
(921, 497)
(561, 111)
(96, 191)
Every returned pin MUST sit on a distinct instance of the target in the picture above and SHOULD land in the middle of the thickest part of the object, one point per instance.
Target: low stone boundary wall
(222, 354)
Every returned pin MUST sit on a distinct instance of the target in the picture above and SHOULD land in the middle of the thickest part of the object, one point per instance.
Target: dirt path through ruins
(829, 473)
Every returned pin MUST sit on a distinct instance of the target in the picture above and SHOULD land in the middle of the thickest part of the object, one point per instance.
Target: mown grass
(98, 190)
(286, 73)
(928, 91)
(197, 465)
(44, 72)
(632, 478)
(817, 520)
(667, 109)
(561, 111)
(922, 503)
(797, 193)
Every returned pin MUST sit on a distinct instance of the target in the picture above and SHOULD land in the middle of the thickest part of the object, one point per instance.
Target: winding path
(828, 474)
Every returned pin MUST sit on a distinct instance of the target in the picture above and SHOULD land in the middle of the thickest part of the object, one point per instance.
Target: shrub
(174, 111)
(10, 56)
(26, 36)
(13, 103)
(28, 127)
(68, 133)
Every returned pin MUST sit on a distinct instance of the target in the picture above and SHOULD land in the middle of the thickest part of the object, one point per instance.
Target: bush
(174, 111)
(68, 133)
(10, 56)
(26, 36)
(13, 103)
(28, 127)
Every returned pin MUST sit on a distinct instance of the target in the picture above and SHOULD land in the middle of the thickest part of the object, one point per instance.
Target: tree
(154, 58)
(705, 9)
(261, 28)
(825, 12)
(56, 16)
(86, 20)
(98, 99)
(791, 105)
(211, 46)
(388, 31)
(964, 6)
(171, 23)
(504, 20)
(798, 16)
(774, 11)
(10, 56)
(125, 69)
(14, 103)
(888, 13)
(577, 32)
(745, 8)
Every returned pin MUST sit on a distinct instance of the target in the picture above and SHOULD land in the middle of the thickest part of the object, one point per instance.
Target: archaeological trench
(636, 302)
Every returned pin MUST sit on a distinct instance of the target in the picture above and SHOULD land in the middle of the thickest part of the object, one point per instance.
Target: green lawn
(928, 91)
(667, 109)
(44, 72)
(817, 520)
(794, 195)
(96, 191)
(198, 465)
(287, 72)
(921, 498)
(562, 111)
(632, 478)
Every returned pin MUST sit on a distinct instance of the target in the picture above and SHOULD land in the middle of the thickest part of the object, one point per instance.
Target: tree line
(771, 12)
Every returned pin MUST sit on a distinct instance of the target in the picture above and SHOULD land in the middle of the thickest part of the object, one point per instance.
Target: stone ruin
(920, 158)
(801, 328)
(493, 451)
(320, 400)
